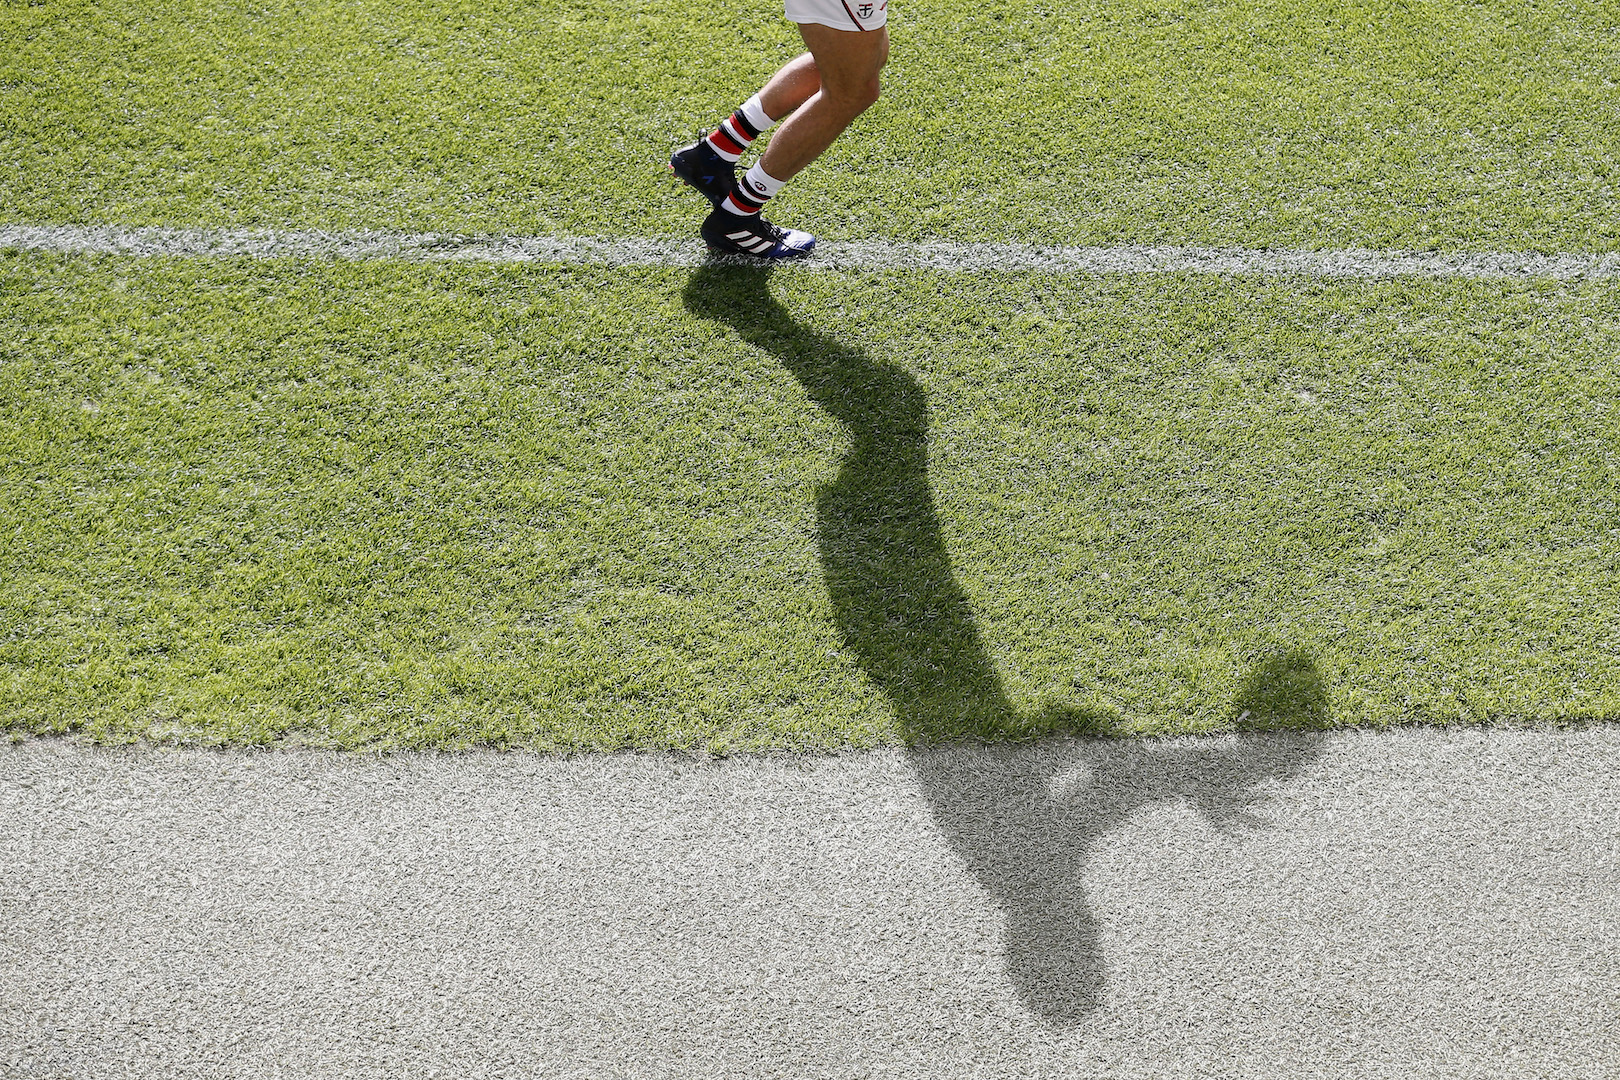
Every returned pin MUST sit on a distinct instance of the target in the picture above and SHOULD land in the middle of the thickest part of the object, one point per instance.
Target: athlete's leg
(790, 87)
(846, 63)
(710, 164)
(837, 83)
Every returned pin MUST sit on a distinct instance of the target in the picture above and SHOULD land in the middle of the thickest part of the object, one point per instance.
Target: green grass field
(387, 504)
(1386, 124)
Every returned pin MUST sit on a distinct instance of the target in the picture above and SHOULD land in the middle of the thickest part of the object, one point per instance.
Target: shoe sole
(798, 253)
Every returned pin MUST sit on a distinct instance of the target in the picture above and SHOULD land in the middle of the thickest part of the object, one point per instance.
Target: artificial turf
(395, 505)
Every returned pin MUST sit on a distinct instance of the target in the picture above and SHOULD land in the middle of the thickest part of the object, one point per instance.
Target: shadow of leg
(894, 594)
(907, 621)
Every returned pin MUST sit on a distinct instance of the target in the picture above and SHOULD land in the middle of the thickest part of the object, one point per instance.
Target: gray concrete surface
(1411, 904)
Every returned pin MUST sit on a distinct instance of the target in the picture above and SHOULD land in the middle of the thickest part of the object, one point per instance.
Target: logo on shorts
(865, 10)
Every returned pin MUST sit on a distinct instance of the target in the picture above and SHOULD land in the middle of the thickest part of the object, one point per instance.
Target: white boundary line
(866, 255)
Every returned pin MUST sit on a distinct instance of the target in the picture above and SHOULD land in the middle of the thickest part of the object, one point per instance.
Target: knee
(805, 70)
(869, 92)
(873, 89)
(857, 96)
(874, 85)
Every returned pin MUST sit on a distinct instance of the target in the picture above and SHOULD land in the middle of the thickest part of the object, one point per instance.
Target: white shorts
(840, 14)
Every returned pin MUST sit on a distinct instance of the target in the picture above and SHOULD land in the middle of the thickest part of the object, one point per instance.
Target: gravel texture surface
(1420, 903)
(856, 257)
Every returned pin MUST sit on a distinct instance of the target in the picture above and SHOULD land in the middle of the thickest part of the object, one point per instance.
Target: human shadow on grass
(1022, 816)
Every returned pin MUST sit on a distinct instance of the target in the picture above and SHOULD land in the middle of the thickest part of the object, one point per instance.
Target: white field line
(854, 256)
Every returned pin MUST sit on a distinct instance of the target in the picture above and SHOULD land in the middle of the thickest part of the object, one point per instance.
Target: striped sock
(750, 191)
(742, 127)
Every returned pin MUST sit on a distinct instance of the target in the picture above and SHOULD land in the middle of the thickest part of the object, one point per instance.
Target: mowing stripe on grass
(854, 256)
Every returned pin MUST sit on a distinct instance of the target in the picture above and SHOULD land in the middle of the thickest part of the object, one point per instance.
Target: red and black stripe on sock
(733, 136)
(743, 198)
